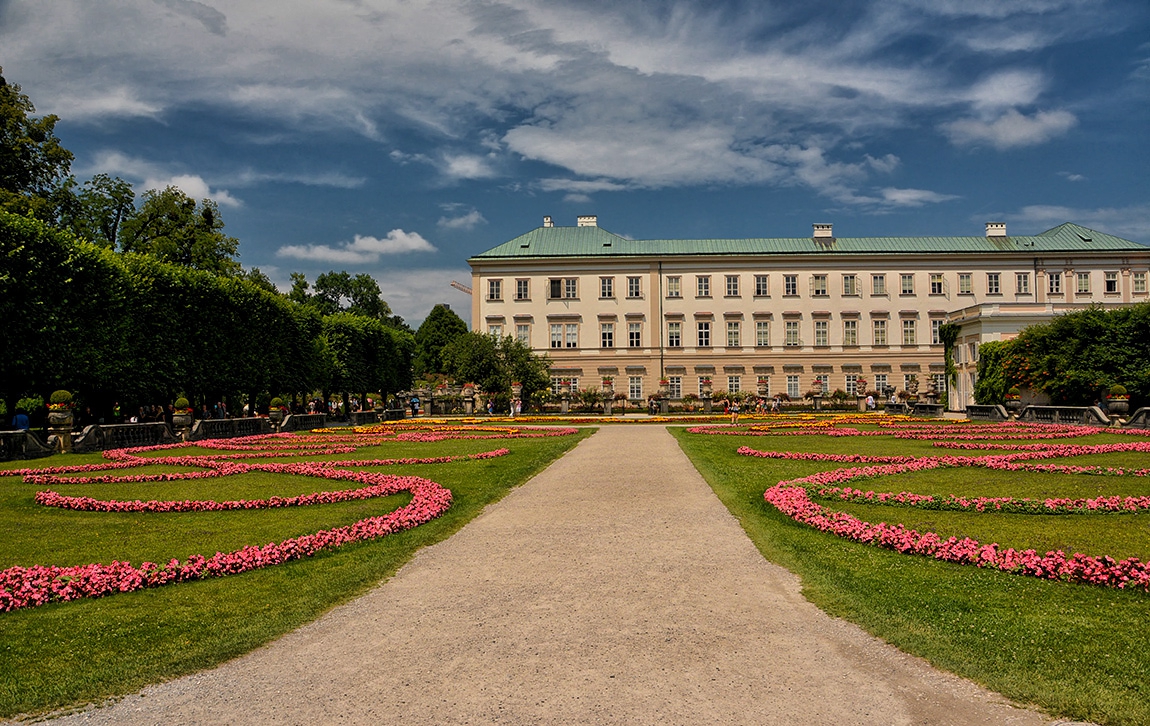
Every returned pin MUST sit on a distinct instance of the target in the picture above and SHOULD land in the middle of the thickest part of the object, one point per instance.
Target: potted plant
(277, 410)
(763, 383)
(705, 385)
(664, 387)
(1013, 398)
(516, 389)
(1118, 401)
(60, 408)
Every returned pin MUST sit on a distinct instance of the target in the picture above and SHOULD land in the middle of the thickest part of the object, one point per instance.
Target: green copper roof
(598, 242)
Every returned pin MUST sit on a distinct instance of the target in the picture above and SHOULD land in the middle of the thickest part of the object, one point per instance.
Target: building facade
(786, 311)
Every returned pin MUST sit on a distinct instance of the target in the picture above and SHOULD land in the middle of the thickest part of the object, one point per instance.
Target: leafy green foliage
(991, 384)
(439, 328)
(33, 164)
(494, 363)
(1076, 357)
(60, 396)
(172, 227)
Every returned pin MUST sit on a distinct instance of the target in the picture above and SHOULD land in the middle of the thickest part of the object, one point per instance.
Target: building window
(939, 381)
(1138, 281)
(633, 287)
(965, 283)
(1054, 286)
(850, 285)
(819, 285)
(793, 387)
(936, 332)
(762, 333)
(791, 328)
(634, 335)
(675, 387)
(556, 336)
(674, 287)
(1111, 282)
(852, 386)
(880, 332)
(635, 387)
(606, 287)
(935, 284)
(993, 283)
(704, 329)
(1083, 283)
(675, 335)
(908, 332)
(571, 338)
(850, 332)
(791, 285)
(732, 285)
(734, 383)
(523, 333)
(821, 338)
(557, 381)
(733, 336)
(906, 284)
(606, 335)
(880, 383)
(762, 286)
(1022, 283)
(564, 288)
(495, 329)
(973, 350)
(702, 286)
(522, 289)
(878, 284)
(495, 289)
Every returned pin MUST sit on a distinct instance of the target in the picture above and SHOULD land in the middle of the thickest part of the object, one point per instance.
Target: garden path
(614, 587)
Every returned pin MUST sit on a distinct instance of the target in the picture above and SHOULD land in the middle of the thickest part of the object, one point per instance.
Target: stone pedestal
(564, 403)
(818, 402)
(664, 406)
(182, 425)
(862, 403)
(608, 401)
(468, 403)
(60, 426)
(707, 402)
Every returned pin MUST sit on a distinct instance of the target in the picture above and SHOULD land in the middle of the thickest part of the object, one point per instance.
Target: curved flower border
(26, 587)
(794, 497)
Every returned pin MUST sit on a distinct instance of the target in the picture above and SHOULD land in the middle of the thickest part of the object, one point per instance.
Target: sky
(400, 137)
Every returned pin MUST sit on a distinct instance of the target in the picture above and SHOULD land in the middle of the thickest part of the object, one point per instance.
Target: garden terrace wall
(22, 445)
(978, 412)
(304, 421)
(229, 428)
(98, 437)
(1086, 415)
(1140, 419)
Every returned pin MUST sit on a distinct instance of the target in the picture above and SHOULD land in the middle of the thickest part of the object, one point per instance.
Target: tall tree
(34, 166)
(172, 227)
(101, 207)
(337, 292)
(495, 363)
(439, 329)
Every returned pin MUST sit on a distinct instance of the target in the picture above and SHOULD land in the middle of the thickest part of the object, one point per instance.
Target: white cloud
(361, 250)
(581, 186)
(119, 102)
(195, 187)
(466, 166)
(1070, 176)
(1011, 129)
(1132, 222)
(466, 221)
(913, 197)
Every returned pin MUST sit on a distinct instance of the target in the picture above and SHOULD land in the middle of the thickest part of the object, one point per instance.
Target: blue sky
(398, 137)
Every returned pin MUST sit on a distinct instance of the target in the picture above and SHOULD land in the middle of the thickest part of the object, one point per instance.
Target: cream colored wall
(652, 309)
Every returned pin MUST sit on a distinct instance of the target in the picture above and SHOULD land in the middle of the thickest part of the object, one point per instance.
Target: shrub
(1116, 391)
(182, 404)
(276, 403)
(1014, 392)
(61, 396)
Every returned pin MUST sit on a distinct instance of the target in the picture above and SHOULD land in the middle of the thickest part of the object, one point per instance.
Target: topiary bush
(276, 403)
(182, 404)
(1116, 391)
(61, 396)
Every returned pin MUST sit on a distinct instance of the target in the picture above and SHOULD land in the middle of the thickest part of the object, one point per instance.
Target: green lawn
(1076, 651)
(67, 654)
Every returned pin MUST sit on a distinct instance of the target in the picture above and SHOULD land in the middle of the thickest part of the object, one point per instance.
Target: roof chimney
(586, 220)
(547, 221)
(996, 229)
(823, 230)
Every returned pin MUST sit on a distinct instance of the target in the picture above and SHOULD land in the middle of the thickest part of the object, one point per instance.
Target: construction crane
(461, 287)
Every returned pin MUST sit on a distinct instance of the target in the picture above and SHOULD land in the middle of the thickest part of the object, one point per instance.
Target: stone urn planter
(1120, 406)
(60, 418)
(516, 390)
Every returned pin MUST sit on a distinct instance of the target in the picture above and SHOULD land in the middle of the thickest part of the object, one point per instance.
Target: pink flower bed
(25, 587)
(795, 497)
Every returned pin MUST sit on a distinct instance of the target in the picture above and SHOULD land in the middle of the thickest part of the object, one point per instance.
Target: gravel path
(612, 588)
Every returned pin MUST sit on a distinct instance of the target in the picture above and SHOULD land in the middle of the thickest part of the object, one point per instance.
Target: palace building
(786, 311)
